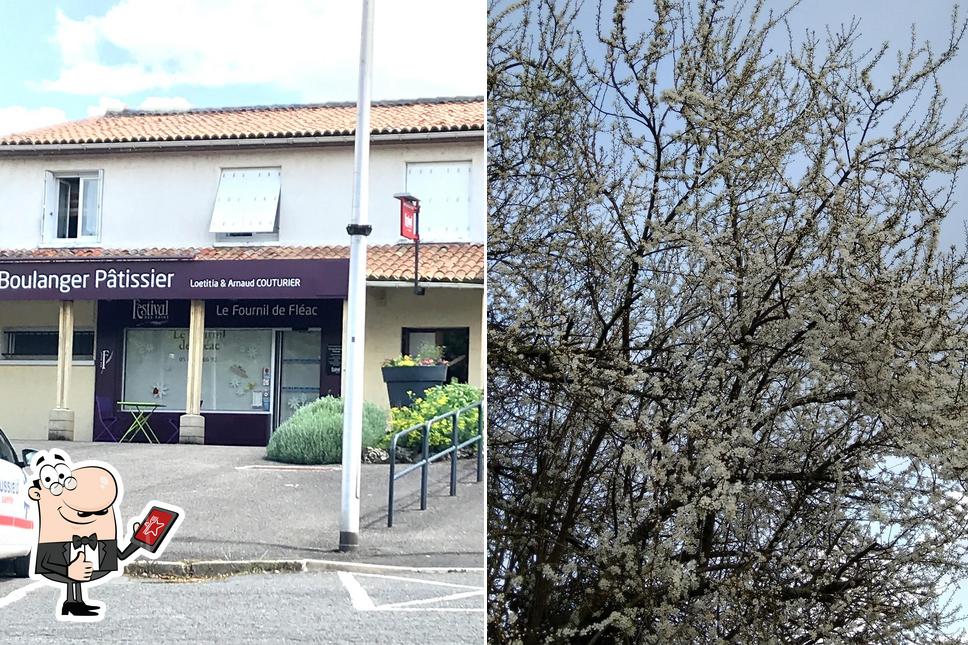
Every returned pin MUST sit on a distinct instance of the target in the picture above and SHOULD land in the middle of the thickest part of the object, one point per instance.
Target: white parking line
(361, 599)
(289, 468)
(419, 580)
(362, 602)
(18, 594)
(453, 596)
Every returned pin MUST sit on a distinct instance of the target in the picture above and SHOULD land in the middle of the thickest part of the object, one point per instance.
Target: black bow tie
(80, 540)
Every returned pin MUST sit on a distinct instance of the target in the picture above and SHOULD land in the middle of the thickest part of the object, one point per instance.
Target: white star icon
(153, 526)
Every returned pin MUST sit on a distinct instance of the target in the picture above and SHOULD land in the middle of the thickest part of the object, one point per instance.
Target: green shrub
(314, 433)
(436, 401)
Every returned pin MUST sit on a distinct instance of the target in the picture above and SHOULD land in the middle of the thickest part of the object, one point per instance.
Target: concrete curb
(217, 568)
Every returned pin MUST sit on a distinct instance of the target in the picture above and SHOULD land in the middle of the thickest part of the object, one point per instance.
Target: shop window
(455, 342)
(72, 208)
(247, 205)
(235, 368)
(34, 344)
(444, 191)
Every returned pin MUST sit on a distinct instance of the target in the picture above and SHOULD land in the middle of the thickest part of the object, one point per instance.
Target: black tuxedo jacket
(53, 558)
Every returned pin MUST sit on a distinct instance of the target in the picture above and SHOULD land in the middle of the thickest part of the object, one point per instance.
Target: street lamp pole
(410, 229)
(349, 533)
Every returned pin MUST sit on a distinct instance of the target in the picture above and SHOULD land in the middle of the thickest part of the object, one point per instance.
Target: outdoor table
(141, 412)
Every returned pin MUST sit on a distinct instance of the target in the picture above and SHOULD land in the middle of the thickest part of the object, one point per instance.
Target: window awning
(247, 201)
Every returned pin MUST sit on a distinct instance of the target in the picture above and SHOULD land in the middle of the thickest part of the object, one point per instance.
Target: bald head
(81, 507)
(95, 490)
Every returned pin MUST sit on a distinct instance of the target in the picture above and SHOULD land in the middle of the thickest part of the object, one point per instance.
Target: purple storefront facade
(273, 337)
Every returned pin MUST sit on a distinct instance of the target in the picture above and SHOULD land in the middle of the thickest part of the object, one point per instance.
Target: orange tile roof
(261, 122)
(385, 262)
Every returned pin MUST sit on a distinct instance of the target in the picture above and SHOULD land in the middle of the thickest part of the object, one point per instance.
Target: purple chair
(106, 416)
(175, 429)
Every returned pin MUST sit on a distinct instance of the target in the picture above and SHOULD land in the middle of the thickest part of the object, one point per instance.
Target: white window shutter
(444, 190)
(90, 207)
(247, 201)
(49, 218)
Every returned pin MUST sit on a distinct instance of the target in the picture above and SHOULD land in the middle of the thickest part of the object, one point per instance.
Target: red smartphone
(154, 528)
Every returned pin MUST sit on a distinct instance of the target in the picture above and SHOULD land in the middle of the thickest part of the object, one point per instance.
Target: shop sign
(173, 279)
(409, 212)
(149, 310)
(334, 360)
(281, 310)
(302, 313)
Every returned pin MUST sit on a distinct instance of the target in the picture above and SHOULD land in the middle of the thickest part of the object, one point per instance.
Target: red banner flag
(408, 219)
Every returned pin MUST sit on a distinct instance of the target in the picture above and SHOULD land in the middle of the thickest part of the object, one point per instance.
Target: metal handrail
(428, 459)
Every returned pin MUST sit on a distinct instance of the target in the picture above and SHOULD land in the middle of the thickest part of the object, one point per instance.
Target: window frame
(173, 408)
(51, 208)
(7, 357)
(438, 340)
(248, 239)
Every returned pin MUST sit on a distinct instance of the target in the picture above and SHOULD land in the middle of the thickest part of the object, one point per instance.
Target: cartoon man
(78, 528)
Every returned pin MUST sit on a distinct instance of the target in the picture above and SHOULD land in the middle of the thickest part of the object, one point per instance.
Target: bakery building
(188, 269)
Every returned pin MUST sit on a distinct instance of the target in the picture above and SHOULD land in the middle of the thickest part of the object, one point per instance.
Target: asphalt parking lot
(239, 506)
(262, 608)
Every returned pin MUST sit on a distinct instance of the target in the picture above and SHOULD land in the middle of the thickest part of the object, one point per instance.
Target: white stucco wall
(165, 199)
(28, 388)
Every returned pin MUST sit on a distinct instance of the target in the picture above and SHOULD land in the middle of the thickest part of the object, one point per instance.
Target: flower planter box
(403, 380)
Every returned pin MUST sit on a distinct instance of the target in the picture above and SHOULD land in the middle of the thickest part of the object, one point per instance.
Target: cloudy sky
(69, 59)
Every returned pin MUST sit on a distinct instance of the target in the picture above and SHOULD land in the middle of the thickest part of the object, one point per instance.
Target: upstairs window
(444, 191)
(247, 205)
(72, 208)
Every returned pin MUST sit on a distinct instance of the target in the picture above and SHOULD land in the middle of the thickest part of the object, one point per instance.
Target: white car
(17, 514)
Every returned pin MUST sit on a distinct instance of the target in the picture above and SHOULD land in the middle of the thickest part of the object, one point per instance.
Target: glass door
(298, 366)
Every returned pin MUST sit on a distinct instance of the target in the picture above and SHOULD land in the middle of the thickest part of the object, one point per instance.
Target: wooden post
(192, 424)
(60, 424)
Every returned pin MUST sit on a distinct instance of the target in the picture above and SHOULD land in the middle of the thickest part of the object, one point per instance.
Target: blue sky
(881, 21)
(892, 21)
(70, 59)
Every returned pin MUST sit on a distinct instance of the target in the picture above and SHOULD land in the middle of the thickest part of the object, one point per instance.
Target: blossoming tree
(727, 352)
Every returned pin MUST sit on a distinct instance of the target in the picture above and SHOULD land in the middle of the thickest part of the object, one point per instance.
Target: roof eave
(266, 143)
(372, 281)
